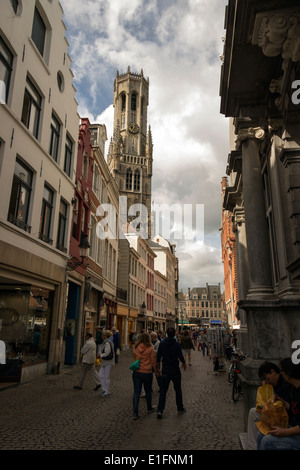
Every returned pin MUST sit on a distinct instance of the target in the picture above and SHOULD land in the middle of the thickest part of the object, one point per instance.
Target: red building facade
(228, 243)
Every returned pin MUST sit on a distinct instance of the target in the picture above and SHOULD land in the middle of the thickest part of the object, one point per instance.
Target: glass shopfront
(25, 319)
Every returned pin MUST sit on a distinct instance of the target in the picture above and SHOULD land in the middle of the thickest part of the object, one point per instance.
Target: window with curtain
(20, 196)
(6, 62)
(31, 108)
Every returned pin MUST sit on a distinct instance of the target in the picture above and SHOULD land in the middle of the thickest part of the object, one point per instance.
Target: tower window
(128, 179)
(123, 102)
(133, 102)
(123, 121)
(137, 181)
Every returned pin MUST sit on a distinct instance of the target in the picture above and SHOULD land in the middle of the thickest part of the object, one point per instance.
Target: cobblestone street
(48, 414)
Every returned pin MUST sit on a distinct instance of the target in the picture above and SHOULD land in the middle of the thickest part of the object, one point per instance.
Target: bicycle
(237, 389)
(233, 366)
(234, 371)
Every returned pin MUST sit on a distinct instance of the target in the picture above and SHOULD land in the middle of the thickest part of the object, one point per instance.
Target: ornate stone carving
(278, 32)
(256, 133)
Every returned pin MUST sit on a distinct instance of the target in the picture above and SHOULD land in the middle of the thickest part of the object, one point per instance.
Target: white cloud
(177, 43)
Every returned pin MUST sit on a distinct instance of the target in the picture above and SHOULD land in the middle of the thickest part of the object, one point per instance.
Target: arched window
(123, 102)
(137, 180)
(129, 179)
(133, 101)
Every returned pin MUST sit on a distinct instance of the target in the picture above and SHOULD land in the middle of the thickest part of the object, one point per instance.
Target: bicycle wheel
(236, 388)
(230, 374)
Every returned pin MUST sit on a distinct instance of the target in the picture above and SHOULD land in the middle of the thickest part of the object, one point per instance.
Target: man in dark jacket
(170, 353)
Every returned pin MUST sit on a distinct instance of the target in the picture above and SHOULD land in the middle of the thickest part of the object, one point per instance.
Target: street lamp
(181, 316)
(143, 313)
(84, 246)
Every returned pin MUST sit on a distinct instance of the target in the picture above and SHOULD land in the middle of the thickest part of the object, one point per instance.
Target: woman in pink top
(143, 350)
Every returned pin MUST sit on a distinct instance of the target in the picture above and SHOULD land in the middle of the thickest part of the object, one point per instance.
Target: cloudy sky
(178, 44)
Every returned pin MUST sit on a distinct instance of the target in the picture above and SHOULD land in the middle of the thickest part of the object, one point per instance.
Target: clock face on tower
(133, 128)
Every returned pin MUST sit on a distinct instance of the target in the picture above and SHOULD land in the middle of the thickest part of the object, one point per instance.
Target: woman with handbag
(107, 361)
(143, 350)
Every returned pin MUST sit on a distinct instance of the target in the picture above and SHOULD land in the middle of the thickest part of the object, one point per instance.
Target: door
(71, 322)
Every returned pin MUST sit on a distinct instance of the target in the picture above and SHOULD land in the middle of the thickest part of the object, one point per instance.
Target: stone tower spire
(131, 149)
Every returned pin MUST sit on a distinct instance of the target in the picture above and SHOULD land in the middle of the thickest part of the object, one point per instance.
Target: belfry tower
(130, 151)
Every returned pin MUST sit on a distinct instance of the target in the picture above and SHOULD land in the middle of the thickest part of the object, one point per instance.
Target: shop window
(25, 318)
(31, 108)
(20, 196)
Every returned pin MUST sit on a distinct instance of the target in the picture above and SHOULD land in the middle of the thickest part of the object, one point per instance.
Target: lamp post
(181, 316)
(143, 313)
(84, 246)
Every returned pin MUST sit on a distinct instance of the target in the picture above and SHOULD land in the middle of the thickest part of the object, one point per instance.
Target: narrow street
(48, 414)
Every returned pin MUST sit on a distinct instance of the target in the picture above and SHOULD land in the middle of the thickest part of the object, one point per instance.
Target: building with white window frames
(166, 263)
(104, 237)
(38, 152)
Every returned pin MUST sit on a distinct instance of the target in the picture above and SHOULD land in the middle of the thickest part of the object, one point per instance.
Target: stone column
(255, 214)
(242, 272)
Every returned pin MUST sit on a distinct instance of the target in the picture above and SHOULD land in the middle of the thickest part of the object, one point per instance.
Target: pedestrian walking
(228, 340)
(88, 352)
(131, 339)
(107, 361)
(155, 343)
(144, 351)
(204, 342)
(170, 353)
(199, 341)
(187, 346)
(117, 343)
(99, 339)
